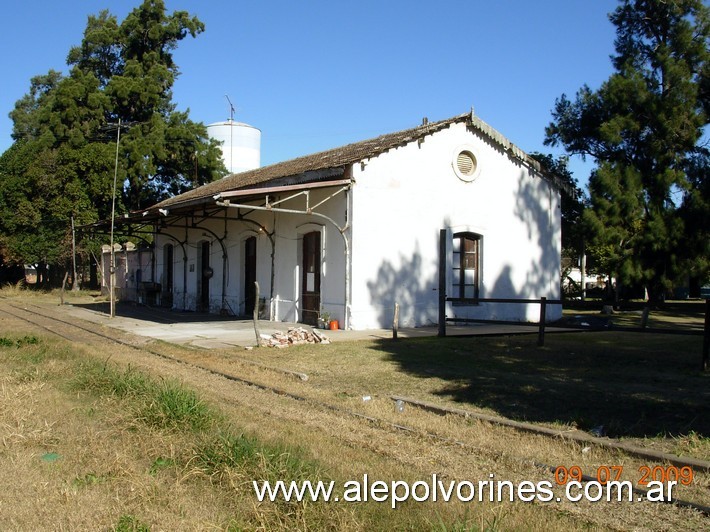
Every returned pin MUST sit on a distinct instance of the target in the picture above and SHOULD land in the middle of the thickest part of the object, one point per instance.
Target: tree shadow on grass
(632, 385)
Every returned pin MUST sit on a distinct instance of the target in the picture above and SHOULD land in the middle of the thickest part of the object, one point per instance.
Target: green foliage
(165, 404)
(102, 379)
(644, 126)
(62, 162)
(171, 405)
(161, 463)
(227, 450)
(18, 343)
(30, 350)
(130, 523)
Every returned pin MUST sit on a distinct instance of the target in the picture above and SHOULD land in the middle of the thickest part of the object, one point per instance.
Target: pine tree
(644, 126)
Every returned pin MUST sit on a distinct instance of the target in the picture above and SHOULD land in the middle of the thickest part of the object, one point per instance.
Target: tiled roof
(319, 164)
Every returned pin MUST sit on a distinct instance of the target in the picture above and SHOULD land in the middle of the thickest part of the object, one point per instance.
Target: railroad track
(75, 331)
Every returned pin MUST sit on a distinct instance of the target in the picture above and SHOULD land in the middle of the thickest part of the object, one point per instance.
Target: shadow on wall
(418, 296)
(533, 206)
(406, 285)
(413, 282)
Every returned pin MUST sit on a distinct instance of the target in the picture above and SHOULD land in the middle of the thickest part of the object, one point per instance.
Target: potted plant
(323, 319)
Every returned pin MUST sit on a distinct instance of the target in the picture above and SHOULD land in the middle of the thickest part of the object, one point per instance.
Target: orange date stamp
(664, 474)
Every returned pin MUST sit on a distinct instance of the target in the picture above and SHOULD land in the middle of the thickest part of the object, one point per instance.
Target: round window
(465, 164)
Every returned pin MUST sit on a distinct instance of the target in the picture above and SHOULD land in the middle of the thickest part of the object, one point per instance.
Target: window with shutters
(466, 266)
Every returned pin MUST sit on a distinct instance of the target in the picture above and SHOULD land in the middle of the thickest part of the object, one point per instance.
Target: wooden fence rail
(543, 302)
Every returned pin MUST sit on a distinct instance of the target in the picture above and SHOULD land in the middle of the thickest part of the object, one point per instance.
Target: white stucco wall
(283, 303)
(290, 229)
(227, 275)
(132, 267)
(404, 197)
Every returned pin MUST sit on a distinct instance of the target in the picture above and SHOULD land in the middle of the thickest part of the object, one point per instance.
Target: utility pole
(75, 284)
(112, 267)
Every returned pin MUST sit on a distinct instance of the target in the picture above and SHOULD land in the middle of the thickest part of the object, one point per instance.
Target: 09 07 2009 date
(681, 475)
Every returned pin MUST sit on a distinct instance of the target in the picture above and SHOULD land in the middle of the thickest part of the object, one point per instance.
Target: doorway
(249, 275)
(166, 298)
(310, 281)
(205, 274)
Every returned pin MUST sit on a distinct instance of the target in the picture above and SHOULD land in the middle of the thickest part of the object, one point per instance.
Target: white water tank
(241, 145)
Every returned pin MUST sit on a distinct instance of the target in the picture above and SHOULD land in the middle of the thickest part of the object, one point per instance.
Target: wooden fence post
(395, 321)
(64, 285)
(541, 329)
(256, 313)
(442, 282)
(706, 337)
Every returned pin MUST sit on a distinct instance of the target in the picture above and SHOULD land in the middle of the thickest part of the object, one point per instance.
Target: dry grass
(641, 386)
(117, 471)
(23, 291)
(80, 452)
(70, 461)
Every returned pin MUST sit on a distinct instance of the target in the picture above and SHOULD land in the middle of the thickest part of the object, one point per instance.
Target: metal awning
(153, 214)
(248, 200)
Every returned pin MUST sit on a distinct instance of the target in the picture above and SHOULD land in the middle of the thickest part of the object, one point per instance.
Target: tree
(164, 151)
(695, 213)
(644, 126)
(34, 226)
(61, 164)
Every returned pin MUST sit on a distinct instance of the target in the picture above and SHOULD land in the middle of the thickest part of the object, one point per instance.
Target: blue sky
(313, 75)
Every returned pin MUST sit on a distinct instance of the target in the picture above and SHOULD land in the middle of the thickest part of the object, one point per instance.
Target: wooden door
(205, 276)
(166, 298)
(310, 281)
(249, 275)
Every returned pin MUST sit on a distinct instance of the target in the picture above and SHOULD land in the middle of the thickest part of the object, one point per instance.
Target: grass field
(110, 438)
(642, 386)
(89, 445)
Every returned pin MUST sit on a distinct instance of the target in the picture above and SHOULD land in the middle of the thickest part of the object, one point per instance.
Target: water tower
(241, 144)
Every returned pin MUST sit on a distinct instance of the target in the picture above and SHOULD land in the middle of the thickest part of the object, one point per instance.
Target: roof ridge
(428, 126)
(341, 156)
